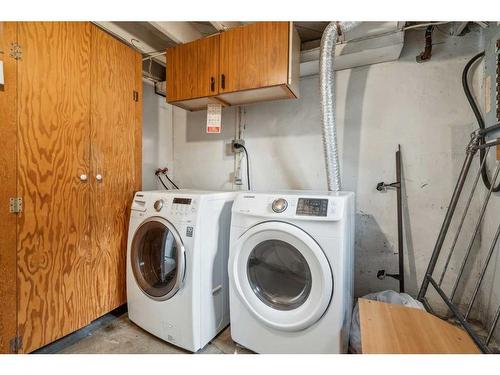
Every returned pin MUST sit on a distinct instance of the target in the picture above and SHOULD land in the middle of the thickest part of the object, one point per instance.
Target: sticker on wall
(214, 118)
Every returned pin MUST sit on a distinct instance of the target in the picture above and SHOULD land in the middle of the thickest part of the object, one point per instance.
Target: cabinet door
(192, 69)
(254, 56)
(53, 131)
(8, 188)
(116, 161)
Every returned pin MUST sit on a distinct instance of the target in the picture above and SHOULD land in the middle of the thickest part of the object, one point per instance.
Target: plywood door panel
(208, 66)
(138, 123)
(8, 187)
(181, 72)
(191, 68)
(53, 127)
(395, 329)
(116, 157)
(254, 56)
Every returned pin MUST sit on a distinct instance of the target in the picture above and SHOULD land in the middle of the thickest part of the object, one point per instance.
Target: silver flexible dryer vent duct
(327, 87)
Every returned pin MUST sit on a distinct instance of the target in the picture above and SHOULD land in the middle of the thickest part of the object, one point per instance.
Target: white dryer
(178, 243)
(291, 271)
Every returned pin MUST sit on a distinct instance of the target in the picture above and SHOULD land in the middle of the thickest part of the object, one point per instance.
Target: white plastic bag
(387, 296)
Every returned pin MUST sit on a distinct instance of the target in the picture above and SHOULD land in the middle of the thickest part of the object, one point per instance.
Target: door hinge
(136, 96)
(15, 205)
(16, 344)
(16, 51)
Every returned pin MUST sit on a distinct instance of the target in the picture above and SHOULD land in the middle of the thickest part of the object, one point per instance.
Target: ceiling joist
(225, 25)
(127, 34)
(179, 32)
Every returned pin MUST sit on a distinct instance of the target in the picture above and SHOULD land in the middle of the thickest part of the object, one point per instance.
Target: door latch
(15, 205)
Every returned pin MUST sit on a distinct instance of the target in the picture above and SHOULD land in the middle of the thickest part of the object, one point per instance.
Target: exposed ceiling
(205, 28)
(309, 31)
(150, 37)
(153, 38)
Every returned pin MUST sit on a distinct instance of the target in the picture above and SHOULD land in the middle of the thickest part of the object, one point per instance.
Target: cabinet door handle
(223, 81)
(98, 177)
(83, 177)
(212, 84)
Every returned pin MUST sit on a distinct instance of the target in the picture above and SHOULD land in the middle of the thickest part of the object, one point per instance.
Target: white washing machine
(178, 244)
(291, 271)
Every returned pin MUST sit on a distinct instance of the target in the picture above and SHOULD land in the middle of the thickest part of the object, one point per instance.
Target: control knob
(159, 205)
(279, 205)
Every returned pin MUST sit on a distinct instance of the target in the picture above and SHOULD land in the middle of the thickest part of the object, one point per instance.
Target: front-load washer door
(282, 276)
(158, 258)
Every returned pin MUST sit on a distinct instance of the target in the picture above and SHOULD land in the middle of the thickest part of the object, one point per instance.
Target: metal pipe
(476, 229)
(327, 88)
(489, 129)
(462, 220)
(493, 326)
(400, 222)
(483, 271)
(459, 316)
(153, 56)
(447, 220)
(488, 144)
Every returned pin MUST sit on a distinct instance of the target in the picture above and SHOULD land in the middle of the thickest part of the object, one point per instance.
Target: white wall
(420, 106)
(157, 138)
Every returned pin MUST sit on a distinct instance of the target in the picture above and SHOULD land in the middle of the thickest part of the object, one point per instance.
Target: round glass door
(157, 259)
(279, 274)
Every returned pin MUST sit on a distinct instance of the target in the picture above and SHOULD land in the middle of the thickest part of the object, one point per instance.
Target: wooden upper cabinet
(254, 56)
(251, 63)
(193, 69)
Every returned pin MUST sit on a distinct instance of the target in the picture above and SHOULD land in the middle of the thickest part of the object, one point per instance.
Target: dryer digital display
(312, 207)
(182, 200)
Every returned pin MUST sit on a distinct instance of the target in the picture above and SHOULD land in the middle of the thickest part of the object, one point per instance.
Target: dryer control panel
(297, 205)
(312, 207)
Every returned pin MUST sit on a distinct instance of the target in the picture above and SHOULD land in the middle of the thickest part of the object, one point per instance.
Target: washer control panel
(312, 207)
(186, 201)
(182, 207)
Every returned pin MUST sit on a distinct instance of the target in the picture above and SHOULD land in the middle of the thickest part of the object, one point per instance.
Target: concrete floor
(115, 334)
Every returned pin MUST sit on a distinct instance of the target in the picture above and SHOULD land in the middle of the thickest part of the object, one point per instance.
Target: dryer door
(158, 258)
(282, 276)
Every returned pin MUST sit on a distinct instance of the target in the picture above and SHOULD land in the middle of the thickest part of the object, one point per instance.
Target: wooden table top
(387, 329)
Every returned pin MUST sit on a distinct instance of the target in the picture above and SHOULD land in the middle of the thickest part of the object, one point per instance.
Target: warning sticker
(214, 118)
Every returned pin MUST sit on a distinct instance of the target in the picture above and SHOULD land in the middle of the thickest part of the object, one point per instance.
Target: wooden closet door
(54, 128)
(116, 157)
(8, 187)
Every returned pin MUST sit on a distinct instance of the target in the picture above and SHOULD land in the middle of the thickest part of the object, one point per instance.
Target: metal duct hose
(327, 87)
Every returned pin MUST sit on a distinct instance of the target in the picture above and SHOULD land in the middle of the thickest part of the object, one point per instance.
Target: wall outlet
(237, 141)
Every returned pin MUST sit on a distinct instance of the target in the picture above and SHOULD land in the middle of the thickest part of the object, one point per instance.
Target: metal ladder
(476, 143)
